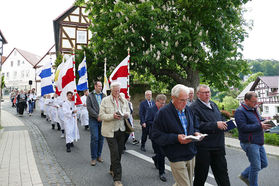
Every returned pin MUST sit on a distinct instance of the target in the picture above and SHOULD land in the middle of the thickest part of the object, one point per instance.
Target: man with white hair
(113, 110)
(170, 127)
(191, 96)
(144, 105)
(211, 151)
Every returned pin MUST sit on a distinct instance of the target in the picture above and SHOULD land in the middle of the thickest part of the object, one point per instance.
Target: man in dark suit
(93, 102)
(210, 151)
(159, 158)
(148, 102)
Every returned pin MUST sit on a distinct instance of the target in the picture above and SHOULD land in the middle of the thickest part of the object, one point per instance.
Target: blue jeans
(31, 106)
(258, 160)
(97, 140)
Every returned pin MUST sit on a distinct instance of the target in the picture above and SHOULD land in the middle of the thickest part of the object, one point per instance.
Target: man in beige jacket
(113, 110)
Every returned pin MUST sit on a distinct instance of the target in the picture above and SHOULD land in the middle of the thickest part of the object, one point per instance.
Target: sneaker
(135, 142)
(245, 180)
(99, 159)
(118, 183)
(93, 162)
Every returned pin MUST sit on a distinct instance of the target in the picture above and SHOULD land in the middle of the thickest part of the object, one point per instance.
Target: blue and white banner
(46, 79)
(83, 80)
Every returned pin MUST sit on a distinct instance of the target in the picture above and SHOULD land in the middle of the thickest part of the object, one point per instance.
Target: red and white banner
(68, 80)
(121, 75)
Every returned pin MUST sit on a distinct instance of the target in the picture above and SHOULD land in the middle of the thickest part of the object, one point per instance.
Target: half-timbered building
(266, 87)
(71, 30)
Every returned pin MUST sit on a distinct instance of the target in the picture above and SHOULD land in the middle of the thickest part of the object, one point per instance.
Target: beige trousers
(183, 172)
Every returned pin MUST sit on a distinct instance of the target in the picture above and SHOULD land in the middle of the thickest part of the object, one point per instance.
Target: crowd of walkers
(190, 133)
(23, 100)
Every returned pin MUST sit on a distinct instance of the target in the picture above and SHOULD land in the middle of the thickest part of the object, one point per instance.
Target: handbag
(128, 127)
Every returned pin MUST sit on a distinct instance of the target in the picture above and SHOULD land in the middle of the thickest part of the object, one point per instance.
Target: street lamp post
(2, 42)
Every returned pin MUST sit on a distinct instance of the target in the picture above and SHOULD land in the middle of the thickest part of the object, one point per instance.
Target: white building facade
(18, 70)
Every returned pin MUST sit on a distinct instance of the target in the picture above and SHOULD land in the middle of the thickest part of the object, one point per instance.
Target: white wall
(272, 110)
(18, 75)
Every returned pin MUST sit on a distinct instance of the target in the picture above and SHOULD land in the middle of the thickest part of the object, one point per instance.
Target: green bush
(234, 132)
(272, 139)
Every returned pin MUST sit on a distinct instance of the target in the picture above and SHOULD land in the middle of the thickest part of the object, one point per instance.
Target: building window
(7, 75)
(22, 74)
(266, 109)
(12, 63)
(278, 110)
(266, 93)
(18, 63)
(22, 62)
(15, 53)
(27, 73)
(15, 74)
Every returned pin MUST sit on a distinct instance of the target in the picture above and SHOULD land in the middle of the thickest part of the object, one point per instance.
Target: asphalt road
(136, 166)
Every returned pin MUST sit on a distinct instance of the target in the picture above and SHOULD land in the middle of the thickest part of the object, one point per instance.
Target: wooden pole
(128, 83)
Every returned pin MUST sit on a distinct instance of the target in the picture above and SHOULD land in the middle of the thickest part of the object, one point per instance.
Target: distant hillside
(268, 67)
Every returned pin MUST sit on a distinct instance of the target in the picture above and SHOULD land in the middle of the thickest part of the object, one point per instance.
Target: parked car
(273, 130)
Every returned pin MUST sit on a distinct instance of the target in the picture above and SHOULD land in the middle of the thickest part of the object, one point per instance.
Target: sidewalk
(270, 149)
(17, 162)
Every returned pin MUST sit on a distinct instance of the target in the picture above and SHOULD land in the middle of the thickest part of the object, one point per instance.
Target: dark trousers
(159, 157)
(144, 134)
(116, 145)
(21, 107)
(214, 158)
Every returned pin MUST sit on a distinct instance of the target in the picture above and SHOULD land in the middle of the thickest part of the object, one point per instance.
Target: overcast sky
(28, 25)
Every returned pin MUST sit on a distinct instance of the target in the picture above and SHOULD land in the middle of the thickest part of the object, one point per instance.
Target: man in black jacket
(93, 102)
(171, 125)
(211, 151)
(159, 158)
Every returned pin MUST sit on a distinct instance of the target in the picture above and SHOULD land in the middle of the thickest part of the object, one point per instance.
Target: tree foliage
(181, 41)
(267, 67)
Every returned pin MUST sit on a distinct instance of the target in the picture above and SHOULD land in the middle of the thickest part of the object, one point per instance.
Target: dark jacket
(149, 117)
(92, 105)
(249, 125)
(208, 125)
(142, 110)
(165, 130)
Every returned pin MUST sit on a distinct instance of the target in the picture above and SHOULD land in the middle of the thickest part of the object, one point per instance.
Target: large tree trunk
(192, 79)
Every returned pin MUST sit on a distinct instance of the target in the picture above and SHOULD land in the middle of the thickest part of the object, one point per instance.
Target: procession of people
(168, 126)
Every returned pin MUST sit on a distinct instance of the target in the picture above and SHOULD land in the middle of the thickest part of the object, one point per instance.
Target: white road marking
(150, 160)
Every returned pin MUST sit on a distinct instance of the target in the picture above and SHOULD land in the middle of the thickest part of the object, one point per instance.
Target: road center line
(148, 159)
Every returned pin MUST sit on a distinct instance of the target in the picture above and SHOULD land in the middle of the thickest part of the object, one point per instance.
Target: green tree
(267, 67)
(230, 103)
(182, 41)
(252, 78)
